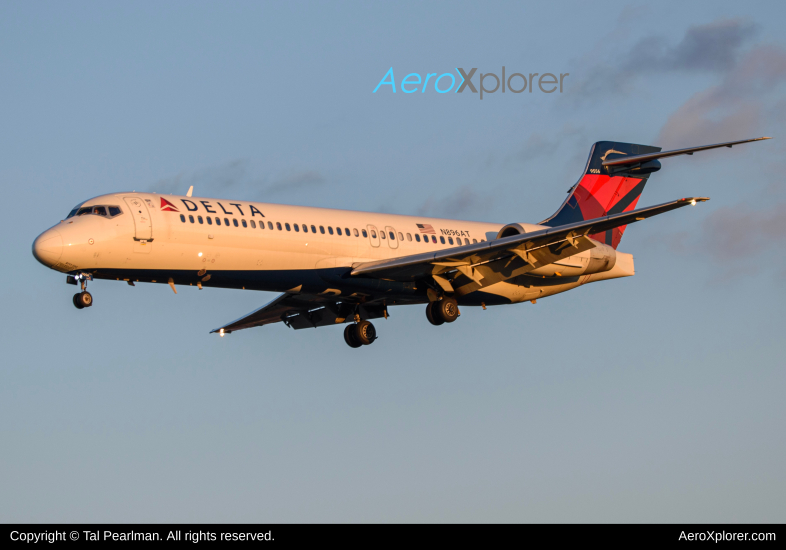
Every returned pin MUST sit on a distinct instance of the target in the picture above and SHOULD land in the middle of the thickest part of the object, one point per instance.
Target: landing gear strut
(443, 311)
(360, 334)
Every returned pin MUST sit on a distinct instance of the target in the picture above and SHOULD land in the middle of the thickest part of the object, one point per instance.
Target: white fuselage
(260, 246)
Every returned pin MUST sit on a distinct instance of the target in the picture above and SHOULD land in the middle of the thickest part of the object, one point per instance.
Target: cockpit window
(74, 211)
(105, 211)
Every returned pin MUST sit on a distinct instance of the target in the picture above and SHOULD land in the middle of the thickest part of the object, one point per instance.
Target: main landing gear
(360, 334)
(443, 311)
(81, 299)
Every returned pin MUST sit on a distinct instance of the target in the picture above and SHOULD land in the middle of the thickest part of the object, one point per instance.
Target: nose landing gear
(81, 299)
(360, 334)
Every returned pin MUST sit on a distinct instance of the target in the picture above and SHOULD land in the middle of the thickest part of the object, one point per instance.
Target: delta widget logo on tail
(167, 206)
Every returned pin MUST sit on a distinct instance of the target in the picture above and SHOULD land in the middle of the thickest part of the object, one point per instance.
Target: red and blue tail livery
(603, 191)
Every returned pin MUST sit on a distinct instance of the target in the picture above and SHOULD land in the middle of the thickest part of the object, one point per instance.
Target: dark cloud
(462, 202)
(237, 176)
(733, 108)
(295, 181)
(741, 233)
(543, 145)
(712, 48)
(211, 179)
(737, 240)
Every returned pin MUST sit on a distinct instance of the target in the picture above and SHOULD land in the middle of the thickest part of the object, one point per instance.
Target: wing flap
(492, 259)
(300, 311)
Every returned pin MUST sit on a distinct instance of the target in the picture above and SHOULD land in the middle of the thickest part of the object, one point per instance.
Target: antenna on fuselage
(190, 190)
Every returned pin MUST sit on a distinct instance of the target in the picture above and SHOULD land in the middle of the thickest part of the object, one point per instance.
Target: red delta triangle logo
(167, 206)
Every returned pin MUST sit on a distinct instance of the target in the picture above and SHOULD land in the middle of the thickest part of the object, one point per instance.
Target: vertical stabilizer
(604, 190)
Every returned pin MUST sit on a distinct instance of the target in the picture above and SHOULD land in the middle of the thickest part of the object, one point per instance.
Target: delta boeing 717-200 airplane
(340, 266)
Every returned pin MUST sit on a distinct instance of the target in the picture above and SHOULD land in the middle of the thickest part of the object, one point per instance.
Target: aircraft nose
(48, 247)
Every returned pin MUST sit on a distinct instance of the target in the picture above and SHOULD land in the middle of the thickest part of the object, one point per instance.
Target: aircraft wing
(489, 262)
(305, 311)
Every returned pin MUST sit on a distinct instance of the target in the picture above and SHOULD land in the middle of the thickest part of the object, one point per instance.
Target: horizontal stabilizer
(635, 159)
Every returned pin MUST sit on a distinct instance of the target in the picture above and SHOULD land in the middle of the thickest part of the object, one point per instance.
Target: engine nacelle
(599, 259)
(517, 229)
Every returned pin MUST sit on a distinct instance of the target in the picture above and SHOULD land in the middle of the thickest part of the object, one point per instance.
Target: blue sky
(653, 398)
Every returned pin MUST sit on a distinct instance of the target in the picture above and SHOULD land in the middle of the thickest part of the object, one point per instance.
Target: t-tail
(613, 181)
(603, 191)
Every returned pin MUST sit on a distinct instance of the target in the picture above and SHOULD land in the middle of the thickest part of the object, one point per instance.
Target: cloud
(541, 144)
(237, 176)
(211, 179)
(714, 47)
(733, 108)
(738, 240)
(295, 181)
(463, 202)
(741, 233)
(711, 48)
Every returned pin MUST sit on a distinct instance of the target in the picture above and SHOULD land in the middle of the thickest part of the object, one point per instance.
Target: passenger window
(313, 229)
(392, 235)
(346, 231)
(209, 220)
(442, 240)
(270, 225)
(226, 221)
(234, 222)
(364, 233)
(373, 234)
(218, 220)
(182, 218)
(297, 227)
(305, 228)
(244, 223)
(322, 229)
(466, 241)
(330, 230)
(278, 226)
(450, 240)
(401, 236)
(409, 236)
(434, 239)
(200, 220)
(253, 224)
(382, 234)
(417, 237)
(338, 230)
(356, 231)
(114, 211)
(191, 218)
(474, 241)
